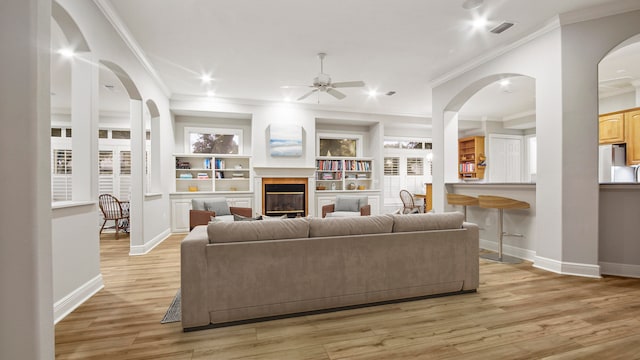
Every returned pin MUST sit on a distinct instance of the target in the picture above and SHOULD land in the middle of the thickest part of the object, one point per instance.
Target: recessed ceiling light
(68, 53)
(480, 23)
(211, 93)
(505, 82)
(287, 99)
(206, 78)
(472, 4)
(373, 93)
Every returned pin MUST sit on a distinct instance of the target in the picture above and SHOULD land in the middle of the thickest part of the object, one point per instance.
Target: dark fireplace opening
(284, 199)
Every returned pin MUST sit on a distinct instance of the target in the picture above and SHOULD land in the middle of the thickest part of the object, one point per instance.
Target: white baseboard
(567, 268)
(559, 267)
(627, 270)
(144, 249)
(520, 253)
(66, 305)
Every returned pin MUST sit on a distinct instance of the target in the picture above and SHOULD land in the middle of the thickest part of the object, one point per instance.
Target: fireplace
(284, 196)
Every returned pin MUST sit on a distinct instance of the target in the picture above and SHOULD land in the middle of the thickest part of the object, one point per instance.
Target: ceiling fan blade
(344, 84)
(307, 94)
(336, 94)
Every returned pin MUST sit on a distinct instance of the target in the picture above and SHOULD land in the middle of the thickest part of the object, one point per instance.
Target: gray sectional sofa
(236, 271)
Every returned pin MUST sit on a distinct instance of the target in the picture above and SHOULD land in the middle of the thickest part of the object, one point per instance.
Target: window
(213, 141)
(415, 166)
(67, 133)
(56, 132)
(391, 166)
(342, 145)
(61, 189)
(121, 134)
(103, 134)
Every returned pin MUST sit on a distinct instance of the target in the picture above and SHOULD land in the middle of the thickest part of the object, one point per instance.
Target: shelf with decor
(212, 173)
(471, 158)
(344, 173)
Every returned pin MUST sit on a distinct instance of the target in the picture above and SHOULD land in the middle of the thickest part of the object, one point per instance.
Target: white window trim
(206, 130)
(356, 137)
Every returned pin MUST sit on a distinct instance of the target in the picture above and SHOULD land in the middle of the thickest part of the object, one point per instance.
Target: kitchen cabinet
(632, 131)
(611, 128)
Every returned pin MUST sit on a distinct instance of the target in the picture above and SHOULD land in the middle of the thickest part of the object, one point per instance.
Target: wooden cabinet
(471, 157)
(344, 173)
(632, 131)
(611, 128)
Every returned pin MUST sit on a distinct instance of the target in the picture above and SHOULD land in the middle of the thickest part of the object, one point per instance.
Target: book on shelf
(186, 176)
(237, 175)
(219, 164)
(203, 176)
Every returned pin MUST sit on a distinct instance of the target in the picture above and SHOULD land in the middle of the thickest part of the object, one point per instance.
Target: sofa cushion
(343, 214)
(350, 203)
(219, 205)
(359, 225)
(428, 221)
(225, 232)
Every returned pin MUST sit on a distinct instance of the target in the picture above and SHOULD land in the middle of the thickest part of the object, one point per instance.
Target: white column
(26, 303)
(84, 123)
(137, 173)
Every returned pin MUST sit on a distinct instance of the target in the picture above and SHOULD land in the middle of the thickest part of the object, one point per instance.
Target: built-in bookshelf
(210, 173)
(344, 173)
(471, 158)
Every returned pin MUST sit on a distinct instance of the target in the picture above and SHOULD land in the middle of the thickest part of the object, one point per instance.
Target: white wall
(617, 103)
(151, 222)
(567, 110)
(25, 214)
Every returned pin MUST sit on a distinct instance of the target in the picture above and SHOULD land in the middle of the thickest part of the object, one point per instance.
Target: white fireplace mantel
(279, 171)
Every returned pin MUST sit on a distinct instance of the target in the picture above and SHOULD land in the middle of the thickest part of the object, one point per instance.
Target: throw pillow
(220, 206)
(344, 203)
(197, 204)
(245, 218)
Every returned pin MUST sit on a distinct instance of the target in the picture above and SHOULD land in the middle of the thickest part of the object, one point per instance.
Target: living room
(566, 190)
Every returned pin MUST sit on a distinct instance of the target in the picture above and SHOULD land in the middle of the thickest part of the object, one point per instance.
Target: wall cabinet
(471, 157)
(212, 173)
(344, 173)
(632, 127)
(622, 127)
(611, 128)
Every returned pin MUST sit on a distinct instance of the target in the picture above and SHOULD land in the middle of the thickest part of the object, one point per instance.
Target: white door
(505, 159)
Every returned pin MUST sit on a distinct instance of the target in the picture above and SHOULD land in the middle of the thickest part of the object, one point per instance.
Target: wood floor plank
(519, 312)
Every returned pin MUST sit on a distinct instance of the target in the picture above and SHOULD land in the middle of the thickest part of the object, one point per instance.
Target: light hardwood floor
(519, 312)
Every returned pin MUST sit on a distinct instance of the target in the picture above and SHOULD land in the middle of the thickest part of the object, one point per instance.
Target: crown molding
(110, 14)
(599, 11)
(211, 102)
(551, 25)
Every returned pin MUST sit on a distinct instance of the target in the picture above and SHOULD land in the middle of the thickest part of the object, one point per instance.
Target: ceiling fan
(322, 83)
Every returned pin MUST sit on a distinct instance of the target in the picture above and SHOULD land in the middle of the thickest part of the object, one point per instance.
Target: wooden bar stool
(464, 200)
(501, 203)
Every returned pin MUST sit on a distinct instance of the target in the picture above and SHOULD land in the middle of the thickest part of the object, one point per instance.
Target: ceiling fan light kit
(322, 83)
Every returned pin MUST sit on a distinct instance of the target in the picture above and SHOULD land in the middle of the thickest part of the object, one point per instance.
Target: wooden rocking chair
(116, 210)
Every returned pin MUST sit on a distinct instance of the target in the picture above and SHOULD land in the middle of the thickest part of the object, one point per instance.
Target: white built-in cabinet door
(180, 215)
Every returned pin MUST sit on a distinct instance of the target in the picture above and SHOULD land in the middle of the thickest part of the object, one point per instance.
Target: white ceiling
(253, 48)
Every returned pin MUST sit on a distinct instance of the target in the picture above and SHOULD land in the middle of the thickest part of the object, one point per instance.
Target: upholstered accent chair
(203, 209)
(347, 205)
